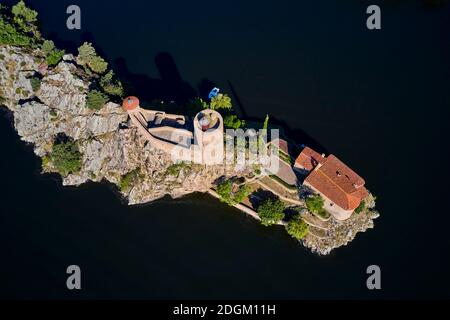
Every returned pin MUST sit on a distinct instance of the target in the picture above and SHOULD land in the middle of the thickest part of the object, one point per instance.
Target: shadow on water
(296, 137)
(169, 87)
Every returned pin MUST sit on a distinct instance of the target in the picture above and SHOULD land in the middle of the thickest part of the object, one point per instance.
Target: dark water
(379, 100)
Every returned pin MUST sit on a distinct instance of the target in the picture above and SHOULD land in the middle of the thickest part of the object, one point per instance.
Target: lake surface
(379, 100)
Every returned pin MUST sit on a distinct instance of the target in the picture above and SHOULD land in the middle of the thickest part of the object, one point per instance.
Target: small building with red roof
(130, 103)
(342, 189)
(308, 159)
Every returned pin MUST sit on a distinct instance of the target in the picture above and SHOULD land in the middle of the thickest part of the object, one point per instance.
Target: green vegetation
(111, 85)
(66, 157)
(52, 53)
(9, 35)
(24, 17)
(361, 207)
(271, 212)
(233, 122)
(266, 122)
(96, 100)
(314, 204)
(221, 101)
(257, 169)
(297, 227)
(128, 179)
(88, 56)
(35, 83)
(278, 179)
(175, 169)
(225, 191)
(243, 192)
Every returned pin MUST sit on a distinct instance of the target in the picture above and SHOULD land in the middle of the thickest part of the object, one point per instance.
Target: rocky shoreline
(111, 148)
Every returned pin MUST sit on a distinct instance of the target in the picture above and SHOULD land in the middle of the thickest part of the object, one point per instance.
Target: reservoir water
(377, 99)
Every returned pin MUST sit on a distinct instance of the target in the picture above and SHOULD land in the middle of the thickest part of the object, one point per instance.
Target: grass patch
(128, 180)
(175, 169)
(287, 185)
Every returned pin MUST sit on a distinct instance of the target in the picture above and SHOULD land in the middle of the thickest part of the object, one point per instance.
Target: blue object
(214, 92)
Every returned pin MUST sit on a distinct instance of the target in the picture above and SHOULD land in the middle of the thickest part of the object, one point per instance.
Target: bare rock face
(109, 151)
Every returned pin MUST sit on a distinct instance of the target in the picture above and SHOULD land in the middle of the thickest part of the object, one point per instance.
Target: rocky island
(74, 112)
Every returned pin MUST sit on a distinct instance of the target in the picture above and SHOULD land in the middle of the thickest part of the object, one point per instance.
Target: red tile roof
(338, 183)
(308, 159)
(130, 103)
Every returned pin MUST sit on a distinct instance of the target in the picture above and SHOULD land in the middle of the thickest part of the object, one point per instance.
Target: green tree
(314, 203)
(9, 35)
(224, 190)
(24, 16)
(271, 211)
(111, 85)
(297, 227)
(95, 100)
(221, 101)
(48, 46)
(53, 55)
(35, 83)
(128, 179)
(66, 157)
(242, 193)
(233, 122)
(88, 56)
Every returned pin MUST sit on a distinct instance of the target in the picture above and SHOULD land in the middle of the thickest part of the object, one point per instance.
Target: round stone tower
(208, 135)
(130, 103)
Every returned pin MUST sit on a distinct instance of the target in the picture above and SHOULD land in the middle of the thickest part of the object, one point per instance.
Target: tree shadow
(295, 137)
(170, 87)
(259, 196)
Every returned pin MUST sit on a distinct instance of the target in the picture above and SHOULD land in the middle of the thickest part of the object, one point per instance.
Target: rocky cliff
(110, 148)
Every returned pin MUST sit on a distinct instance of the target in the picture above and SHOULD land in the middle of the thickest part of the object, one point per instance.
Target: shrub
(35, 83)
(221, 101)
(111, 85)
(53, 54)
(233, 122)
(96, 100)
(175, 169)
(242, 193)
(24, 16)
(314, 203)
(10, 36)
(297, 227)
(48, 46)
(88, 56)
(224, 190)
(271, 212)
(66, 157)
(54, 57)
(127, 180)
(361, 207)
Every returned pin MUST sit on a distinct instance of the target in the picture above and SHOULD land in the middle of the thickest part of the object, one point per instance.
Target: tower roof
(130, 103)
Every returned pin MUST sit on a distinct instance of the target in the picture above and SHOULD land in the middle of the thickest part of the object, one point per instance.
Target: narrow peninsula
(83, 124)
